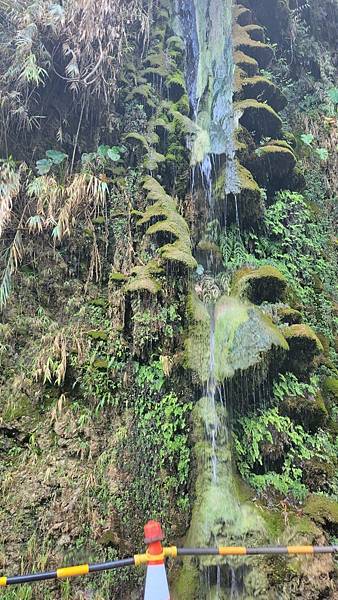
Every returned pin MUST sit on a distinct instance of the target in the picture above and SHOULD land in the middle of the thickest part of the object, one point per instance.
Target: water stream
(206, 27)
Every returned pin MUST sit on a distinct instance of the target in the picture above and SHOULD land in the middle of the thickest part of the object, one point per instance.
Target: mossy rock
(330, 388)
(263, 90)
(289, 316)
(274, 15)
(304, 346)
(246, 63)
(176, 87)
(261, 52)
(259, 118)
(322, 510)
(249, 200)
(255, 31)
(243, 336)
(308, 411)
(258, 285)
(242, 15)
(318, 475)
(273, 162)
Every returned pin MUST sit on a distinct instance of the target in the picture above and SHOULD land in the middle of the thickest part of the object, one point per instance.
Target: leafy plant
(307, 138)
(289, 385)
(272, 451)
(54, 158)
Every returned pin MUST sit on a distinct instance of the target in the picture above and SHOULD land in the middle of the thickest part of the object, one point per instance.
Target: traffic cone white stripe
(156, 583)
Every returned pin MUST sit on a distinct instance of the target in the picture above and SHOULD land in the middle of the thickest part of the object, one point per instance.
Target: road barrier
(156, 587)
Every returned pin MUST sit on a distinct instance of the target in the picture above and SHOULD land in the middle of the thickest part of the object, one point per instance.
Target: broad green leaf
(44, 166)
(103, 150)
(114, 153)
(323, 153)
(56, 156)
(307, 138)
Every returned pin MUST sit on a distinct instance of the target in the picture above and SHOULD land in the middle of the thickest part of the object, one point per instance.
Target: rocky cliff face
(135, 192)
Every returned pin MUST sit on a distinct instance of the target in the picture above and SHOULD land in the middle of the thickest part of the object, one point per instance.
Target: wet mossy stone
(263, 90)
(289, 316)
(304, 346)
(318, 474)
(258, 118)
(242, 15)
(258, 285)
(246, 63)
(322, 510)
(243, 335)
(255, 31)
(274, 15)
(261, 52)
(308, 411)
(273, 161)
(249, 200)
(175, 85)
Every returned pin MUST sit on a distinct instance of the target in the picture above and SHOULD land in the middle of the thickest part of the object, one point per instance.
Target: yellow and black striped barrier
(156, 555)
(171, 551)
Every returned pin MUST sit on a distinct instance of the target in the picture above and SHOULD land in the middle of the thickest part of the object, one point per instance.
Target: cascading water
(206, 27)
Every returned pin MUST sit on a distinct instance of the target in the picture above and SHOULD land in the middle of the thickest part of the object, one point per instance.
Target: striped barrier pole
(155, 557)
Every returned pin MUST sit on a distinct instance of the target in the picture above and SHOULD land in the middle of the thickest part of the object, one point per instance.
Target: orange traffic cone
(156, 581)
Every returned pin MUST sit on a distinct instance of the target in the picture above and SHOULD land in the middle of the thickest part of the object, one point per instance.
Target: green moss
(289, 316)
(182, 105)
(100, 363)
(322, 510)
(275, 160)
(242, 15)
(236, 324)
(308, 411)
(265, 283)
(175, 84)
(261, 52)
(256, 32)
(97, 334)
(187, 584)
(304, 346)
(262, 88)
(246, 63)
(247, 181)
(115, 276)
(304, 334)
(259, 118)
(330, 387)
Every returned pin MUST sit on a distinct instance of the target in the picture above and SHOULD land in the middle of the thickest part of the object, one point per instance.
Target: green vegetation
(274, 454)
(119, 252)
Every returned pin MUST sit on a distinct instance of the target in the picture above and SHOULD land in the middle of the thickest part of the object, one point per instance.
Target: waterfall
(206, 27)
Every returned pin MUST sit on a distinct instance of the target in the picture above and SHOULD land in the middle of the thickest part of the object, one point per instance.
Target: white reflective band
(156, 583)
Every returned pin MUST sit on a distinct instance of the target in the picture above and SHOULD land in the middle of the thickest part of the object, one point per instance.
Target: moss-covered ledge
(259, 118)
(258, 285)
(264, 90)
